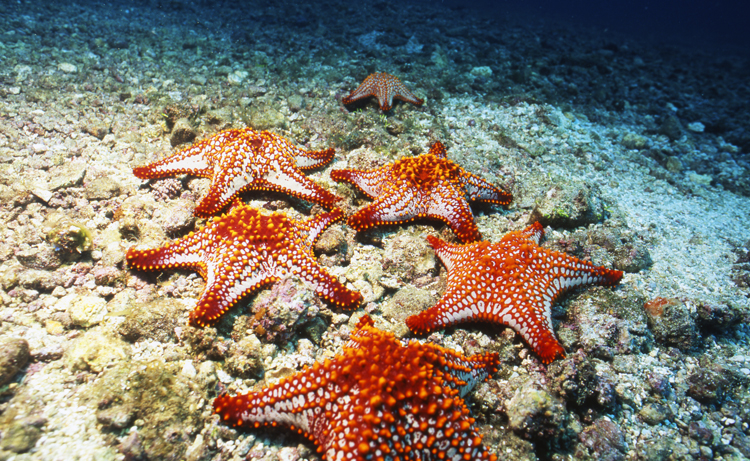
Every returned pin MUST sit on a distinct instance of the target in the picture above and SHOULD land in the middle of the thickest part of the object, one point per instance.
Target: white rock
(67, 67)
(697, 127)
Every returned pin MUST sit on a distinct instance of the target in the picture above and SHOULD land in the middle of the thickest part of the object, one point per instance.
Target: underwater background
(622, 127)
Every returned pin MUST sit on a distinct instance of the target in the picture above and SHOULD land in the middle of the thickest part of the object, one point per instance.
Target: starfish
(381, 399)
(244, 250)
(385, 87)
(238, 160)
(512, 282)
(428, 185)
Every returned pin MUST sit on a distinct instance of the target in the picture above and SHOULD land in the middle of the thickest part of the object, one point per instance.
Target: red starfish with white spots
(244, 250)
(380, 399)
(385, 87)
(429, 186)
(239, 160)
(512, 282)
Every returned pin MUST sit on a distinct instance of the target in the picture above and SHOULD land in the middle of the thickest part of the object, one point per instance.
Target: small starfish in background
(239, 160)
(380, 399)
(244, 250)
(512, 282)
(428, 185)
(385, 87)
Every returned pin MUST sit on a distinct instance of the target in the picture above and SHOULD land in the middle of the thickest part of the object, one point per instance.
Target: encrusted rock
(404, 303)
(671, 127)
(573, 378)
(14, 355)
(154, 320)
(68, 237)
(654, 413)
(95, 351)
(102, 188)
(67, 175)
(603, 440)
(20, 437)
(671, 322)
(85, 310)
(536, 414)
(569, 205)
(286, 306)
(42, 256)
(182, 132)
(246, 358)
(177, 217)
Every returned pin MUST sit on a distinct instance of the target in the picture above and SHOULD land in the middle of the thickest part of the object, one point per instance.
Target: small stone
(698, 431)
(671, 323)
(14, 355)
(604, 440)
(246, 358)
(296, 103)
(535, 414)
(706, 386)
(671, 128)
(482, 71)
(654, 413)
(94, 351)
(42, 257)
(696, 127)
(20, 437)
(85, 310)
(237, 77)
(67, 175)
(198, 79)
(674, 164)
(67, 67)
(102, 188)
(182, 132)
(569, 205)
(634, 141)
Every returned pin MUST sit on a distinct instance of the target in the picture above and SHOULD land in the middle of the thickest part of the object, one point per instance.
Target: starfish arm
(534, 232)
(282, 404)
(390, 208)
(304, 160)
(308, 160)
(365, 90)
(405, 95)
(325, 285)
(223, 189)
(370, 182)
(312, 228)
(228, 282)
(192, 160)
(447, 253)
(183, 253)
(481, 190)
(294, 183)
(448, 204)
(438, 150)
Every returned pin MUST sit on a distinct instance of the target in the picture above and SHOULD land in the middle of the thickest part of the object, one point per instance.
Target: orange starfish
(512, 282)
(428, 185)
(381, 399)
(244, 250)
(385, 87)
(242, 160)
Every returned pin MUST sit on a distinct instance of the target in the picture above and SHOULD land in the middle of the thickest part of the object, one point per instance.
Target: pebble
(67, 67)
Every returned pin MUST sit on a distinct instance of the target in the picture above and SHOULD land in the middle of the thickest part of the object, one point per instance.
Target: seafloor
(633, 154)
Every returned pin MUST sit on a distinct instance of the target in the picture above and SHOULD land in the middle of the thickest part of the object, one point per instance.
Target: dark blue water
(718, 24)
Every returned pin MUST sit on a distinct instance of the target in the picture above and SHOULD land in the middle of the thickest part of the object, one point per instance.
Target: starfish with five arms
(238, 160)
(428, 185)
(385, 87)
(381, 399)
(244, 250)
(512, 282)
